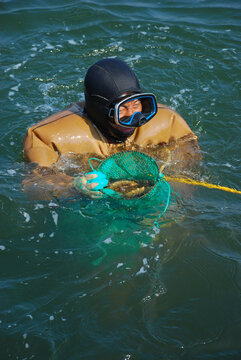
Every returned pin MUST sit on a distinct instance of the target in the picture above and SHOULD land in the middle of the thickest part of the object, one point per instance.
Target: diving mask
(134, 111)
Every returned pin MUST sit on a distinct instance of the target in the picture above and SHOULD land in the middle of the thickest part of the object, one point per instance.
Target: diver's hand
(85, 185)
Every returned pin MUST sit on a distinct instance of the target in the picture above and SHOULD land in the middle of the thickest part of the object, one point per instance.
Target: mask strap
(111, 113)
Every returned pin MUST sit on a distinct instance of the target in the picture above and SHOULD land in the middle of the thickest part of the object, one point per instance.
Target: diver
(115, 115)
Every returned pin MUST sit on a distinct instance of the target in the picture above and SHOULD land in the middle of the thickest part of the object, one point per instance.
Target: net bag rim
(147, 157)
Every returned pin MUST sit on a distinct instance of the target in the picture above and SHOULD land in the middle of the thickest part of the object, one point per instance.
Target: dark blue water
(87, 280)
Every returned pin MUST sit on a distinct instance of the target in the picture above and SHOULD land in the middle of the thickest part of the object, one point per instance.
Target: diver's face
(128, 109)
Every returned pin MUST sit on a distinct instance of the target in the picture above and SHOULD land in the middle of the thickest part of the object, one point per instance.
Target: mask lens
(135, 110)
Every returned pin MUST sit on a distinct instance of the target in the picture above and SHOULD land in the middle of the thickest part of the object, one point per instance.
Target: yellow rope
(193, 182)
(201, 183)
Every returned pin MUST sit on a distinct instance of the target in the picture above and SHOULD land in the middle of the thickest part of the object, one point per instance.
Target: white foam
(205, 88)
(15, 67)
(38, 206)
(133, 58)
(141, 271)
(145, 261)
(143, 244)
(119, 265)
(44, 88)
(228, 165)
(108, 241)
(172, 61)
(156, 229)
(48, 46)
(116, 45)
(127, 357)
(55, 217)
(181, 97)
(82, 295)
(72, 42)
(164, 28)
(51, 203)
(2, 247)
(11, 172)
(27, 216)
(147, 298)
(15, 88)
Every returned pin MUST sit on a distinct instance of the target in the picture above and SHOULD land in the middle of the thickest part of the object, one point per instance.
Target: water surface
(168, 293)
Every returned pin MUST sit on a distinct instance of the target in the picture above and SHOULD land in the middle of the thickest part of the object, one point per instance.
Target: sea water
(81, 280)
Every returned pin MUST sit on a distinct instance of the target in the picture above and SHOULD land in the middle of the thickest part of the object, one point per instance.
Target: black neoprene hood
(104, 83)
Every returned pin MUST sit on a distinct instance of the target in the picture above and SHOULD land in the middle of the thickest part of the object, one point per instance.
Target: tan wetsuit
(70, 131)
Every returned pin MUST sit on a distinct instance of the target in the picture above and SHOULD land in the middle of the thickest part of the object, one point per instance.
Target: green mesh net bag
(134, 179)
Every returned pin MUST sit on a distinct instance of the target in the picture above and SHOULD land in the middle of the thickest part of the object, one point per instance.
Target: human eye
(137, 104)
(121, 110)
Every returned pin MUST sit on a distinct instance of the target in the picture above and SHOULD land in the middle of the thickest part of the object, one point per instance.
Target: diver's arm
(183, 143)
(179, 129)
(184, 152)
(37, 151)
(43, 182)
(46, 183)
